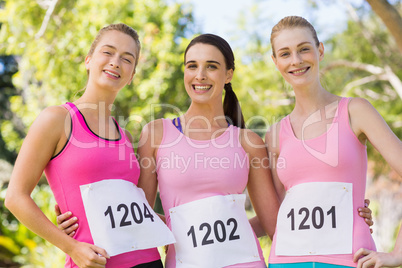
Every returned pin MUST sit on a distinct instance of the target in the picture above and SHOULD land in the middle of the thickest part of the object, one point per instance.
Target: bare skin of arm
(368, 124)
(260, 185)
(44, 138)
(367, 258)
(150, 139)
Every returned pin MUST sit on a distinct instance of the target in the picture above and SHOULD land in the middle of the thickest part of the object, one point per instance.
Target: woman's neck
(98, 101)
(205, 116)
(310, 99)
(307, 106)
(96, 107)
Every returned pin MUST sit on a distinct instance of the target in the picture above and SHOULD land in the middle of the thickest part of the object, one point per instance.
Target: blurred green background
(43, 44)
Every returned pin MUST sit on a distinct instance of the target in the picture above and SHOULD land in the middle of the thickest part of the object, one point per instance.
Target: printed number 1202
(220, 235)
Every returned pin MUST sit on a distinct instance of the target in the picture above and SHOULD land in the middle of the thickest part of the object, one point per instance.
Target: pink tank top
(335, 156)
(88, 158)
(190, 170)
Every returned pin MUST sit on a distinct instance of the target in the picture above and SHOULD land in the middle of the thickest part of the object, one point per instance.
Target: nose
(201, 74)
(297, 59)
(115, 62)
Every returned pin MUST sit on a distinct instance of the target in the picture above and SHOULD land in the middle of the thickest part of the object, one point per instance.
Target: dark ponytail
(231, 106)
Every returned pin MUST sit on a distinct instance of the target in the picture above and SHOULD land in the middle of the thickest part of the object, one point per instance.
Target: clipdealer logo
(330, 152)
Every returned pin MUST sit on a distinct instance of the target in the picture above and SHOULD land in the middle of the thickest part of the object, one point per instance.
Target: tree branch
(391, 77)
(391, 18)
(394, 80)
(379, 73)
(354, 65)
(51, 5)
(367, 34)
(361, 81)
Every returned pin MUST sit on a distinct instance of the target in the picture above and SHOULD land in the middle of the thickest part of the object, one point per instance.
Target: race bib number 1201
(120, 218)
(316, 218)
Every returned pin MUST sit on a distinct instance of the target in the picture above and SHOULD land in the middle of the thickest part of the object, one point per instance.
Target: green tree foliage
(357, 66)
(51, 69)
(18, 245)
(264, 96)
(8, 67)
(50, 46)
(50, 55)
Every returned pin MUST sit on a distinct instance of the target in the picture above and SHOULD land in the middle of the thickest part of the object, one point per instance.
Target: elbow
(271, 235)
(10, 201)
(270, 232)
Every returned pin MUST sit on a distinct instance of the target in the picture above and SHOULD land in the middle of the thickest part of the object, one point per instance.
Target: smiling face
(297, 57)
(205, 73)
(112, 63)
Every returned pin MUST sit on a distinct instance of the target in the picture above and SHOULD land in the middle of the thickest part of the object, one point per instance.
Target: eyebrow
(128, 53)
(209, 61)
(302, 43)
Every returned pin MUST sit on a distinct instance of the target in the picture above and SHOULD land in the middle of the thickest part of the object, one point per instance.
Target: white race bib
(120, 218)
(213, 232)
(316, 218)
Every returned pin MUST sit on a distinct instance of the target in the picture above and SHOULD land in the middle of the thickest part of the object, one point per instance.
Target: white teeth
(202, 87)
(300, 71)
(112, 74)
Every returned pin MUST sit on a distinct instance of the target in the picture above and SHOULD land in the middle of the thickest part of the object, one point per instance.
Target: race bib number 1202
(213, 232)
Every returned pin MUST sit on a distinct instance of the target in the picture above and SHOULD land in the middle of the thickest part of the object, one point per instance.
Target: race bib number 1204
(120, 218)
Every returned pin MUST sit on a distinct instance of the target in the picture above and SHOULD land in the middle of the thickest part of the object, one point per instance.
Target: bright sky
(221, 16)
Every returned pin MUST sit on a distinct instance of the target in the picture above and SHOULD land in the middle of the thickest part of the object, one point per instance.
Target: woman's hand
(366, 213)
(88, 256)
(367, 258)
(66, 222)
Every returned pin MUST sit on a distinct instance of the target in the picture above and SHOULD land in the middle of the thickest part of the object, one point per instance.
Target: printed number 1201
(317, 218)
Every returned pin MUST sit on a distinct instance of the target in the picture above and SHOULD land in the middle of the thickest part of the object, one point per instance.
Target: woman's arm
(368, 124)
(151, 136)
(368, 258)
(260, 185)
(273, 152)
(272, 145)
(39, 146)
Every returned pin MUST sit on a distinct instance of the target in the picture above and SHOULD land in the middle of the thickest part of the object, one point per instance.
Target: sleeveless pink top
(88, 158)
(190, 170)
(296, 165)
